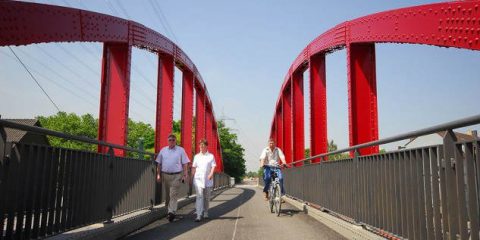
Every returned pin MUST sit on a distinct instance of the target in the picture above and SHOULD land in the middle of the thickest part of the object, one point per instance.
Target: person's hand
(284, 165)
(158, 178)
(184, 178)
(210, 176)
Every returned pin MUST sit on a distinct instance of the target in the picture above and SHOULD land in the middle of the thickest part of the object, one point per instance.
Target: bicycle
(274, 192)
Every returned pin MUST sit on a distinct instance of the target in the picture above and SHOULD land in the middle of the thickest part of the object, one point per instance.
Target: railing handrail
(463, 122)
(35, 129)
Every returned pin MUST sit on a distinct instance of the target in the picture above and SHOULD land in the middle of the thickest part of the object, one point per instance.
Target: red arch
(23, 23)
(450, 24)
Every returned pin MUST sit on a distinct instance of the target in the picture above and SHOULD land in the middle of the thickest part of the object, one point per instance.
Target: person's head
(172, 140)
(271, 143)
(203, 145)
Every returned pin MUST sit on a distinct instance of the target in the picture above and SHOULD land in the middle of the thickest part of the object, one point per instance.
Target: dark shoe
(171, 216)
(266, 196)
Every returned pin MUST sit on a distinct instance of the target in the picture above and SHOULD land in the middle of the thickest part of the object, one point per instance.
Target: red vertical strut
(287, 124)
(187, 112)
(199, 118)
(362, 95)
(298, 117)
(114, 96)
(279, 126)
(318, 106)
(164, 117)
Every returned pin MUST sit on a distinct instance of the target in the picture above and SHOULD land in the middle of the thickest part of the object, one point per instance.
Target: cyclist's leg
(280, 177)
(266, 179)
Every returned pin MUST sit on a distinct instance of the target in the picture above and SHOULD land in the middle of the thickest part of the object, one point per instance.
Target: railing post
(356, 185)
(449, 141)
(110, 185)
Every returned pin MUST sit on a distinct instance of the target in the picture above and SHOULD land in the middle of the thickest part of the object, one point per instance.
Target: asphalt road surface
(238, 213)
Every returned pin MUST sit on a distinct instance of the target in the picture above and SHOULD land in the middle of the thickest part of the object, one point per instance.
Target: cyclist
(270, 158)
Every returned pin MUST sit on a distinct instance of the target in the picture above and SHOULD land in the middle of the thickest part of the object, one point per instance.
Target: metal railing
(423, 193)
(47, 190)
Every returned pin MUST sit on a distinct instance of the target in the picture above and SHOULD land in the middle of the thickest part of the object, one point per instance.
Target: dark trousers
(267, 178)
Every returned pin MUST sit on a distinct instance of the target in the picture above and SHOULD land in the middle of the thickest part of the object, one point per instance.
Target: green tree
(232, 153)
(85, 125)
(333, 147)
(307, 152)
(251, 174)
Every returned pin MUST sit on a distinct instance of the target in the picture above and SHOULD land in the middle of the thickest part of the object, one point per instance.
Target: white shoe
(205, 215)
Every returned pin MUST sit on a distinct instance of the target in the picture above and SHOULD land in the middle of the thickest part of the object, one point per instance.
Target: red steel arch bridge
(424, 193)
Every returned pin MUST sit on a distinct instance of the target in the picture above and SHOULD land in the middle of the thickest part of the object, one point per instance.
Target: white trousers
(203, 200)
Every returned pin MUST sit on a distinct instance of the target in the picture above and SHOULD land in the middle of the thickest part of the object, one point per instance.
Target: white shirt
(270, 157)
(172, 159)
(203, 164)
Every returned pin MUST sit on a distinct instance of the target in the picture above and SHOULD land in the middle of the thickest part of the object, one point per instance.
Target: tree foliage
(232, 153)
(70, 123)
(86, 125)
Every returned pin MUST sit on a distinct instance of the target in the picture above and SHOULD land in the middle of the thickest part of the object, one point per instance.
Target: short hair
(271, 140)
(172, 136)
(204, 142)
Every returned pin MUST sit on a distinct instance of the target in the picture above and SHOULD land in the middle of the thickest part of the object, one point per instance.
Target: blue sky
(243, 50)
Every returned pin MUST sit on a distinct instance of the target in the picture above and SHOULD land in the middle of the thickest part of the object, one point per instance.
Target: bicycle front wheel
(271, 199)
(278, 199)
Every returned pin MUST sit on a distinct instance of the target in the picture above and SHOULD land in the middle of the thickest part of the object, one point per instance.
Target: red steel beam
(279, 126)
(362, 97)
(114, 96)
(318, 106)
(164, 115)
(199, 118)
(448, 24)
(287, 125)
(187, 112)
(24, 23)
(298, 118)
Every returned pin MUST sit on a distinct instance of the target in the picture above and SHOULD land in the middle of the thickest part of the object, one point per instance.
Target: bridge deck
(239, 213)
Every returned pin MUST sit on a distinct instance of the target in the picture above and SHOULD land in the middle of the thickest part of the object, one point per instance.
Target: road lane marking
(236, 222)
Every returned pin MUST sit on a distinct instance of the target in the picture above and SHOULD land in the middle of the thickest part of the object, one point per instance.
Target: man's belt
(172, 173)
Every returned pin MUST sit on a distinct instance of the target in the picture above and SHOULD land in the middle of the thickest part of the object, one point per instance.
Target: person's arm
(194, 168)
(159, 166)
(262, 158)
(281, 156)
(212, 171)
(185, 162)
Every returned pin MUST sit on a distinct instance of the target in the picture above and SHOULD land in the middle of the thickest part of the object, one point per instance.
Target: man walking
(172, 169)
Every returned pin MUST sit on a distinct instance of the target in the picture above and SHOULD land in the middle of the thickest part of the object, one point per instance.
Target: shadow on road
(289, 212)
(161, 229)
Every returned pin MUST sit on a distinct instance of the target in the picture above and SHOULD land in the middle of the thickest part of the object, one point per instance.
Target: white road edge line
(236, 221)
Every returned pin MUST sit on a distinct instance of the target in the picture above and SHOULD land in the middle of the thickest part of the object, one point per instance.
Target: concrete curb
(126, 224)
(344, 228)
